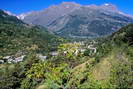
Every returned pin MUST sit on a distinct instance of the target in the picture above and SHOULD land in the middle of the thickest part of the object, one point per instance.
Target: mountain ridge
(70, 19)
(103, 6)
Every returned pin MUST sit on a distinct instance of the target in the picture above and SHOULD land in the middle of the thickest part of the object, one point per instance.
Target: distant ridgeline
(16, 36)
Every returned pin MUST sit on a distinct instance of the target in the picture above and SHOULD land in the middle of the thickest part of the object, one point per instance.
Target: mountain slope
(73, 20)
(89, 22)
(111, 67)
(125, 35)
(5, 18)
(16, 36)
(48, 15)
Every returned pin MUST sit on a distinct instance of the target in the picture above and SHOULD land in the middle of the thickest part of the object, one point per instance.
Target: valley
(78, 47)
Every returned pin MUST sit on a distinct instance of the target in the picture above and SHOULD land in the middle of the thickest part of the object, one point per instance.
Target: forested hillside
(16, 36)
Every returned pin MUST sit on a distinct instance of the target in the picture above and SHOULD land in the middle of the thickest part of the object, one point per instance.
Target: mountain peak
(9, 13)
(109, 6)
(106, 4)
(23, 15)
(70, 3)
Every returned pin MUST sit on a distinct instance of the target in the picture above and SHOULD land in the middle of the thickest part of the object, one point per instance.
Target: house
(1, 61)
(54, 53)
(92, 48)
(19, 59)
(41, 57)
(8, 59)
(11, 59)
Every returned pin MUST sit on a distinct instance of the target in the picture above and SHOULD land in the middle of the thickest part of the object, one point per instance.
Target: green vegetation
(16, 36)
(109, 67)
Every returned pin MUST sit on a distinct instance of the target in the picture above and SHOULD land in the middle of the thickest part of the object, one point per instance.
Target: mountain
(70, 19)
(89, 22)
(5, 17)
(9, 13)
(17, 36)
(48, 15)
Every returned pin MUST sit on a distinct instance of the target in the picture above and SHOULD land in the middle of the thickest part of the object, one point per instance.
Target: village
(75, 48)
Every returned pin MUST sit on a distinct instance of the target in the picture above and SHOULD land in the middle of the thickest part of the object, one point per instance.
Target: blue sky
(21, 6)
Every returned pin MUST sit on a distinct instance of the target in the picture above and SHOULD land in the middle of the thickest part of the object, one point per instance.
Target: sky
(22, 6)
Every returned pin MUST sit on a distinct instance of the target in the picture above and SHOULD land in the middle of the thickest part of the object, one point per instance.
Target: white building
(41, 57)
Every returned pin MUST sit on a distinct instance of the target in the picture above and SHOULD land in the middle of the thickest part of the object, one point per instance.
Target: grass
(102, 70)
